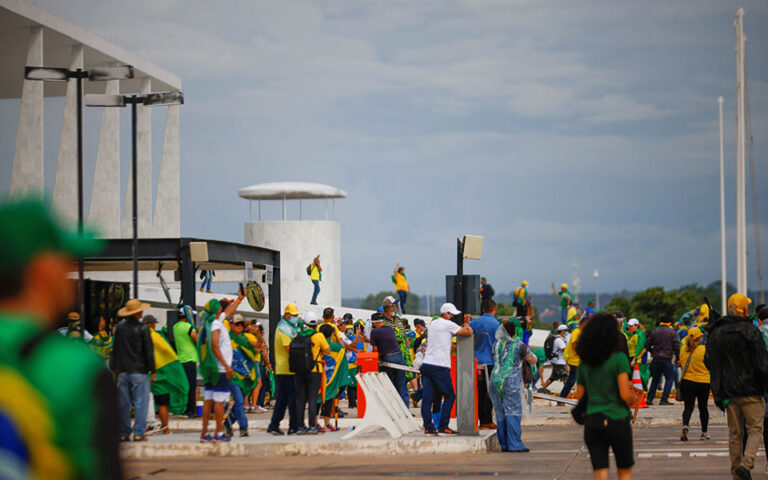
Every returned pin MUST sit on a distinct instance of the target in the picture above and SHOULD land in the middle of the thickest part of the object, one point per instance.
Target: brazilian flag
(336, 372)
(208, 368)
(171, 378)
(243, 363)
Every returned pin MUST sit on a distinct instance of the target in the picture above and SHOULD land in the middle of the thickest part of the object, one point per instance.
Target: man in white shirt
(559, 369)
(436, 369)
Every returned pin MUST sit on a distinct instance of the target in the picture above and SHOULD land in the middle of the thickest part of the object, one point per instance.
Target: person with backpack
(554, 348)
(305, 362)
(314, 270)
(522, 301)
(285, 386)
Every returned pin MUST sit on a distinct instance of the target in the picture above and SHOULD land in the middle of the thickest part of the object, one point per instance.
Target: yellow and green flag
(171, 378)
(336, 372)
(243, 363)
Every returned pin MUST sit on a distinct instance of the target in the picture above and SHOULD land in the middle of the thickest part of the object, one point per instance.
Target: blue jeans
(436, 380)
(285, 397)
(397, 377)
(509, 433)
(207, 277)
(133, 389)
(658, 368)
(237, 414)
(317, 290)
(563, 315)
(572, 371)
(403, 298)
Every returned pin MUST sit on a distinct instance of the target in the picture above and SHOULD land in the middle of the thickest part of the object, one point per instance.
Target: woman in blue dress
(506, 387)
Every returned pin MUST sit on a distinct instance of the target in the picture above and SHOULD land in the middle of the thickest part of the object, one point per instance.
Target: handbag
(579, 412)
(527, 373)
(679, 393)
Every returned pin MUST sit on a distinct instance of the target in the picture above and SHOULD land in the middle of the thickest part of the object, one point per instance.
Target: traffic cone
(637, 384)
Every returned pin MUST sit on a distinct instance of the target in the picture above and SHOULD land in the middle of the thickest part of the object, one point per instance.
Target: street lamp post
(597, 292)
(100, 74)
(148, 100)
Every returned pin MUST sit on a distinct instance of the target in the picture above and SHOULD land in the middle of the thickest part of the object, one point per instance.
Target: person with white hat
(557, 357)
(436, 369)
(308, 382)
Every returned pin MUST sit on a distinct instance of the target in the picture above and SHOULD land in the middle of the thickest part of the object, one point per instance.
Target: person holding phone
(315, 274)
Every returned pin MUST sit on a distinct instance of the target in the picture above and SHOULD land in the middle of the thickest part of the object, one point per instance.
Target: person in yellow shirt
(572, 358)
(308, 384)
(285, 387)
(401, 285)
(316, 275)
(695, 383)
(703, 316)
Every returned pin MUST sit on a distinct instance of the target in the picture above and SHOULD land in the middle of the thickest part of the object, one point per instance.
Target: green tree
(619, 303)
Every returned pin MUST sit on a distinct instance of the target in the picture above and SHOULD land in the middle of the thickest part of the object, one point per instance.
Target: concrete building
(31, 36)
(300, 240)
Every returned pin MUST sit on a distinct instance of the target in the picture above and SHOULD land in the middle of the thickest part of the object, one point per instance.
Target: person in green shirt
(185, 337)
(637, 353)
(603, 377)
(566, 299)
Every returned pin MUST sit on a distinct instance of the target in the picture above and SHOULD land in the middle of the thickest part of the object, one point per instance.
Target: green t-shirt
(541, 356)
(565, 295)
(185, 347)
(602, 388)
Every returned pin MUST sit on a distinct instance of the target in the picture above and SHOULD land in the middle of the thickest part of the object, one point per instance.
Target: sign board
(248, 272)
(269, 275)
(473, 247)
(255, 296)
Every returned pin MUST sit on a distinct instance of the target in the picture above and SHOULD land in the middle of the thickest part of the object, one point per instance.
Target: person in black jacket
(664, 345)
(133, 361)
(738, 363)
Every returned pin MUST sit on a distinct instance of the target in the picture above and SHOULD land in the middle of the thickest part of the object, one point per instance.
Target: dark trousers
(396, 376)
(570, 381)
(316, 291)
(285, 397)
(661, 367)
(403, 298)
(695, 392)
(352, 396)
(484, 405)
(307, 390)
(264, 387)
(436, 380)
(190, 369)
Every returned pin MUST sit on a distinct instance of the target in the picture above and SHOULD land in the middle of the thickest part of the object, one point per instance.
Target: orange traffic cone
(637, 385)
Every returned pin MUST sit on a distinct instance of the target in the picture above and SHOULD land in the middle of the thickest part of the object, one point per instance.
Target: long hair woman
(604, 378)
(509, 352)
(695, 384)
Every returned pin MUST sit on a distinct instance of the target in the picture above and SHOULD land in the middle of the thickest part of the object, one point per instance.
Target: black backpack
(549, 347)
(300, 354)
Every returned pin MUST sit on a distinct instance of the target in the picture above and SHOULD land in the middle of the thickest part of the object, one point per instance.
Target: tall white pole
(723, 292)
(741, 214)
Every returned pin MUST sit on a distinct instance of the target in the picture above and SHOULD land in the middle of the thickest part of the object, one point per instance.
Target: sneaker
(293, 431)
(649, 401)
(259, 409)
(227, 427)
(684, 435)
(275, 431)
(321, 429)
(705, 436)
(314, 430)
(243, 432)
(221, 439)
(446, 432)
(207, 438)
(430, 432)
(124, 438)
(139, 439)
(331, 428)
(544, 391)
(665, 402)
(743, 473)
(522, 450)
(300, 431)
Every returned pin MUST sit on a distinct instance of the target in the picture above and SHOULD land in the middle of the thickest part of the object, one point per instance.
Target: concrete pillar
(144, 160)
(27, 175)
(104, 213)
(65, 186)
(465, 386)
(167, 218)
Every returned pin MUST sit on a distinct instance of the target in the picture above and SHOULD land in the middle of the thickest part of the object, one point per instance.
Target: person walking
(133, 363)
(566, 298)
(509, 352)
(663, 345)
(308, 383)
(285, 386)
(603, 377)
(384, 341)
(556, 356)
(436, 369)
(316, 276)
(572, 358)
(694, 385)
(738, 364)
(401, 285)
(484, 327)
(636, 347)
(185, 338)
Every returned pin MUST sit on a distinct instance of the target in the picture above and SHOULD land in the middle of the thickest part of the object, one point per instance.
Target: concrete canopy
(290, 191)
(16, 16)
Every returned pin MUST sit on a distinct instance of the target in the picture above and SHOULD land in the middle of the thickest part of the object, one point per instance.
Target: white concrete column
(104, 214)
(27, 175)
(65, 185)
(144, 161)
(167, 218)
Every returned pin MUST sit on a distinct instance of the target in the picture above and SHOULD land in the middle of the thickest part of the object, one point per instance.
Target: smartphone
(242, 289)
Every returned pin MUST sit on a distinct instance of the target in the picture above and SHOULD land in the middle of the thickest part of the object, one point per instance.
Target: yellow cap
(739, 303)
(694, 332)
(524, 283)
(291, 309)
(564, 286)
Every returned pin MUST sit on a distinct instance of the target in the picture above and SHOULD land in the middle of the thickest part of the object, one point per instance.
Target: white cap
(310, 318)
(633, 321)
(560, 328)
(449, 308)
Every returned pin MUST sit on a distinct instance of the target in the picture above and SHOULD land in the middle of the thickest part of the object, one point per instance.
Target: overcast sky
(563, 132)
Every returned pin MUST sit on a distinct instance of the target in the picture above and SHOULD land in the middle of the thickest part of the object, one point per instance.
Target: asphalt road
(556, 453)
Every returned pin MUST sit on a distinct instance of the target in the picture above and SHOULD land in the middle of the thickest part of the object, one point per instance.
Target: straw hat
(132, 307)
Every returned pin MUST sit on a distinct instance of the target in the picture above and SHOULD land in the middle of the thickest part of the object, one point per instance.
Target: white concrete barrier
(384, 408)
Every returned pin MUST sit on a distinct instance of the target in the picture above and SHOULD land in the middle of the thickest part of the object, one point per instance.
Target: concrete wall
(298, 243)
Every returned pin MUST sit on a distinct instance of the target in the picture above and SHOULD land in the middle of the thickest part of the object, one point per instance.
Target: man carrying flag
(335, 376)
(171, 387)
(246, 376)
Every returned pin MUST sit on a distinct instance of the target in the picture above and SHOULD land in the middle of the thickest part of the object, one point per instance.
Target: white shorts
(218, 397)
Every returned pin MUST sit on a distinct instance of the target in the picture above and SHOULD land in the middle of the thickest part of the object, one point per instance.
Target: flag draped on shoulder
(335, 372)
(208, 369)
(243, 363)
(171, 378)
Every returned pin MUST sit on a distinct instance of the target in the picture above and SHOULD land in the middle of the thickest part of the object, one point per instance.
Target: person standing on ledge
(316, 275)
(486, 290)
(401, 285)
(566, 298)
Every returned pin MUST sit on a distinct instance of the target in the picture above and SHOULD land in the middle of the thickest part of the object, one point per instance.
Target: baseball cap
(524, 283)
(739, 302)
(564, 286)
(419, 321)
(237, 318)
(310, 318)
(449, 308)
(291, 309)
(28, 228)
(633, 321)
(377, 317)
(561, 327)
(389, 301)
(149, 319)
